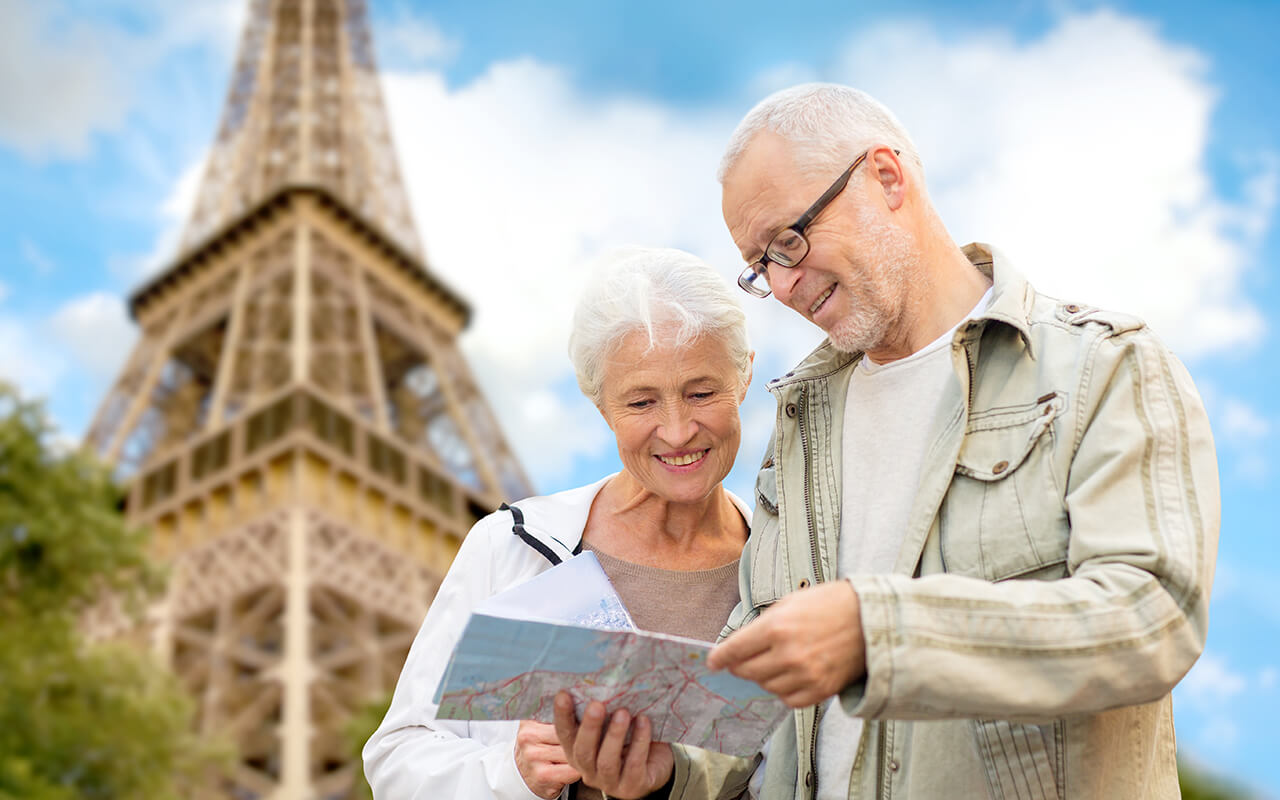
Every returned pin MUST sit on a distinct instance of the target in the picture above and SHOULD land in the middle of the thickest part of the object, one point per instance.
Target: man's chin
(851, 338)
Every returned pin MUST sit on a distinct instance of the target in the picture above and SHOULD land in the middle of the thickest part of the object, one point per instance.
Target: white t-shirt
(888, 415)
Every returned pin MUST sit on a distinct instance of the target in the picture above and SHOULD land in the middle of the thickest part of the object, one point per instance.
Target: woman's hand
(541, 760)
(618, 769)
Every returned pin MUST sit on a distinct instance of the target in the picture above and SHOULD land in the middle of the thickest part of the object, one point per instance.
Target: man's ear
(892, 175)
(751, 359)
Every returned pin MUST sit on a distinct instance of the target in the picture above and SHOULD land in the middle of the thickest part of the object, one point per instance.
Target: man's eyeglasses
(789, 246)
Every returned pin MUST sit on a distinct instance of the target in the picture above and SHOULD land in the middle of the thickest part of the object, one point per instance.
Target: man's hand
(618, 769)
(541, 760)
(805, 648)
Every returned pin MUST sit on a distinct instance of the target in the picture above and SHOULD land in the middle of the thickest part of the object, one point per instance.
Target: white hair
(662, 292)
(827, 126)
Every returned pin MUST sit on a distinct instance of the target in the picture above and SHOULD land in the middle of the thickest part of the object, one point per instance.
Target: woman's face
(674, 412)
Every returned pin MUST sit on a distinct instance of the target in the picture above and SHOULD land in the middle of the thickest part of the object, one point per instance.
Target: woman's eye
(702, 395)
(638, 404)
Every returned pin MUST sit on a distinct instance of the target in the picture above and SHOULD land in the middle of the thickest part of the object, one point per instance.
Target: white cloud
(95, 330)
(27, 360)
(560, 427)
(1241, 423)
(66, 75)
(1248, 585)
(1211, 683)
(518, 181)
(1081, 154)
(173, 213)
(47, 56)
(1219, 732)
(1241, 433)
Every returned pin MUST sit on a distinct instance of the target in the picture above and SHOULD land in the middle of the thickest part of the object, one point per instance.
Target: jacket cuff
(680, 773)
(877, 608)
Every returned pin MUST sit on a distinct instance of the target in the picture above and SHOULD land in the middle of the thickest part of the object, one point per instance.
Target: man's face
(853, 283)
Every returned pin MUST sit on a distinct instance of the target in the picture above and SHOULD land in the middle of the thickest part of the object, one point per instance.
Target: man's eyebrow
(772, 230)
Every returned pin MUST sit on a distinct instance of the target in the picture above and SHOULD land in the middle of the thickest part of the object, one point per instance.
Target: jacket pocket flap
(767, 487)
(996, 442)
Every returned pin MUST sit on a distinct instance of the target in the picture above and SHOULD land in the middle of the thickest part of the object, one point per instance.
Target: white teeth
(683, 461)
(814, 308)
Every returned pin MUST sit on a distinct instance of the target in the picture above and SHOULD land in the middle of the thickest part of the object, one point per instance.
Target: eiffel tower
(296, 423)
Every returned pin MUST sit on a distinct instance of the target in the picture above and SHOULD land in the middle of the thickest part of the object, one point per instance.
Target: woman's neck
(630, 522)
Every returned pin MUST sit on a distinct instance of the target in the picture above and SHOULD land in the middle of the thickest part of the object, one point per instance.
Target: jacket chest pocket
(1003, 515)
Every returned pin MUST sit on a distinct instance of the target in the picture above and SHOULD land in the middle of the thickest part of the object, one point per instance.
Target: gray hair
(827, 126)
(643, 289)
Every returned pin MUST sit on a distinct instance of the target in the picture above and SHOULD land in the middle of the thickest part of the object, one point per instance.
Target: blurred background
(1123, 154)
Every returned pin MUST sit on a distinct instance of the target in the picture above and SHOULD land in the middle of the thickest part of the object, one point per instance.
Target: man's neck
(951, 286)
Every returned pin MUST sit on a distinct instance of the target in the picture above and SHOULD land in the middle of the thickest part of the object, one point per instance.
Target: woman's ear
(600, 407)
(746, 384)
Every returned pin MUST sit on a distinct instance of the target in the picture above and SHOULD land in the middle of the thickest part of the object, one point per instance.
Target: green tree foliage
(1199, 784)
(356, 732)
(78, 720)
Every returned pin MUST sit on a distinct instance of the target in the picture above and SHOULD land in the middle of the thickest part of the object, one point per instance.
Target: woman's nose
(677, 426)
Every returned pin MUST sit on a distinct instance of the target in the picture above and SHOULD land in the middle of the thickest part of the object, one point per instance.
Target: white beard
(880, 300)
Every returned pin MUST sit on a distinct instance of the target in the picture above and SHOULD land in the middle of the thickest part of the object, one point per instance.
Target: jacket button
(804, 583)
(894, 765)
(808, 780)
(1000, 466)
(791, 409)
(1072, 308)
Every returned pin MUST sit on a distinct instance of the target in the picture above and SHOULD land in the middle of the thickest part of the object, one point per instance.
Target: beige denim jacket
(1054, 584)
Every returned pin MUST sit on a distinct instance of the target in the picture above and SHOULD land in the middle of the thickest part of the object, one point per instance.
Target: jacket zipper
(817, 573)
(808, 501)
(880, 746)
(969, 360)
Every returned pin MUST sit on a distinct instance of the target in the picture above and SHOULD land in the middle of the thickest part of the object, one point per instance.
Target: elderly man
(985, 531)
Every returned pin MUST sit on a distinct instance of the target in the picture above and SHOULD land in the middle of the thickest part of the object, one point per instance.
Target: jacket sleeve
(412, 755)
(1130, 618)
(706, 775)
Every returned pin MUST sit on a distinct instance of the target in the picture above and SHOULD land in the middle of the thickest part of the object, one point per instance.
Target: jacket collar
(1012, 298)
(558, 520)
(1011, 303)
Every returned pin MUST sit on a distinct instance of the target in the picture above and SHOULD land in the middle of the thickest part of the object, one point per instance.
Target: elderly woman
(659, 344)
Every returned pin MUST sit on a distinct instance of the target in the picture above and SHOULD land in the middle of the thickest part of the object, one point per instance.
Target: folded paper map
(510, 669)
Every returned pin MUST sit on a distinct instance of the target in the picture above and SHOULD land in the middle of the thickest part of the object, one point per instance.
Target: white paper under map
(576, 591)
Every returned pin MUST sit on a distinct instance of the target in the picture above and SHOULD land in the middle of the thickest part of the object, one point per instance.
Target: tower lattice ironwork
(297, 424)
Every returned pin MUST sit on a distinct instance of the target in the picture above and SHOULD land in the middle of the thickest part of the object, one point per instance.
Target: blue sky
(1123, 154)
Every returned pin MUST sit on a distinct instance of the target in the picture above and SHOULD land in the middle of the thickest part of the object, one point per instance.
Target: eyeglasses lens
(787, 248)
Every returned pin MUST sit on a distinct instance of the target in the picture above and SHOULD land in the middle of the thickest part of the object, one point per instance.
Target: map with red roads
(507, 669)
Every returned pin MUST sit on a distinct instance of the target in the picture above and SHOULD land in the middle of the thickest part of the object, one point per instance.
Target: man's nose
(783, 280)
